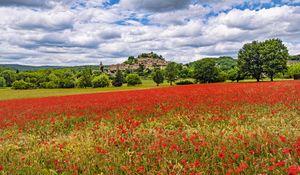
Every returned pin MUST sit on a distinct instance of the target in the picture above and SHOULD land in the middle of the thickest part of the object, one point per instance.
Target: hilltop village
(145, 61)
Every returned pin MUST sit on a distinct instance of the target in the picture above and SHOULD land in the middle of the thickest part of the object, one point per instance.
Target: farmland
(223, 128)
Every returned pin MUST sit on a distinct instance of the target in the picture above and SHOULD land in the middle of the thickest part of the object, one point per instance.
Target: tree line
(255, 60)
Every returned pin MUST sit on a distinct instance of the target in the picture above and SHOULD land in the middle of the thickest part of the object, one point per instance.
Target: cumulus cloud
(31, 3)
(154, 5)
(74, 32)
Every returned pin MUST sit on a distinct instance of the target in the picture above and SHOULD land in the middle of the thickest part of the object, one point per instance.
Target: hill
(27, 67)
(32, 68)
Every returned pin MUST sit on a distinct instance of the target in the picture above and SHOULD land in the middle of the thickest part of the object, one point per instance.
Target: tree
(205, 71)
(21, 84)
(250, 61)
(133, 79)
(9, 76)
(101, 81)
(158, 77)
(118, 80)
(85, 78)
(130, 60)
(275, 56)
(2, 82)
(171, 72)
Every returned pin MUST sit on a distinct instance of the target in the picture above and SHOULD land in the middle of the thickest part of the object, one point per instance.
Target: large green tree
(85, 78)
(275, 55)
(250, 61)
(9, 76)
(158, 77)
(171, 72)
(205, 71)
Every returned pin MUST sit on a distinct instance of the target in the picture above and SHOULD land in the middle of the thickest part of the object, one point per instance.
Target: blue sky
(77, 32)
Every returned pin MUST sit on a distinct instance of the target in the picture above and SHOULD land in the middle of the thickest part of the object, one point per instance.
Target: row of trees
(63, 78)
(256, 59)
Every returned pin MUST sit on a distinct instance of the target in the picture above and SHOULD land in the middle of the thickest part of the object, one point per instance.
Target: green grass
(9, 94)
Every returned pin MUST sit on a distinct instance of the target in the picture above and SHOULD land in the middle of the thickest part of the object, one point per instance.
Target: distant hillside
(26, 67)
(224, 62)
(295, 57)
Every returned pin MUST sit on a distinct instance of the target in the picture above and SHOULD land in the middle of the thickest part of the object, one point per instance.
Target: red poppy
(294, 170)
(221, 155)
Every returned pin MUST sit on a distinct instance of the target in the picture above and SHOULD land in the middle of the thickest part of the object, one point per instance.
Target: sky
(84, 32)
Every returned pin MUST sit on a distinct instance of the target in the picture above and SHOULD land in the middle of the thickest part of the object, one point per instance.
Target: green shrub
(222, 76)
(297, 77)
(2, 82)
(133, 79)
(184, 82)
(101, 81)
(68, 83)
(51, 85)
(20, 84)
(294, 70)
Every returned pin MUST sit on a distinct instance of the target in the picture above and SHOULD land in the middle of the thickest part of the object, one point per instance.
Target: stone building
(148, 63)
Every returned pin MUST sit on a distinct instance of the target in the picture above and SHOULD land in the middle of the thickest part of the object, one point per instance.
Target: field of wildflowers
(244, 128)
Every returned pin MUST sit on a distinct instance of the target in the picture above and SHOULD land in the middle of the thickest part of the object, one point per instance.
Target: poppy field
(223, 128)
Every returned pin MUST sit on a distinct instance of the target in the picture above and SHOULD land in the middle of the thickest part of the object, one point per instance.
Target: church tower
(101, 67)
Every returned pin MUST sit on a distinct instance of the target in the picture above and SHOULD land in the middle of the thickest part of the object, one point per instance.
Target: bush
(101, 81)
(297, 77)
(68, 83)
(184, 82)
(2, 82)
(22, 85)
(294, 70)
(51, 85)
(133, 79)
(222, 76)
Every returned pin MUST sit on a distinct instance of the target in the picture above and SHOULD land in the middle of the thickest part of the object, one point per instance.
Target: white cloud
(70, 33)
(154, 5)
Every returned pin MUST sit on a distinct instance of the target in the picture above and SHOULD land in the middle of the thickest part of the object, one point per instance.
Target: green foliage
(205, 71)
(22, 85)
(233, 74)
(150, 55)
(171, 72)
(250, 61)
(131, 60)
(9, 76)
(51, 85)
(185, 73)
(158, 77)
(101, 81)
(222, 76)
(184, 82)
(258, 58)
(275, 55)
(85, 78)
(294, 57)
(118, 80)
(294, 70)
(133, 79)
(225, 63)
(2, 82)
